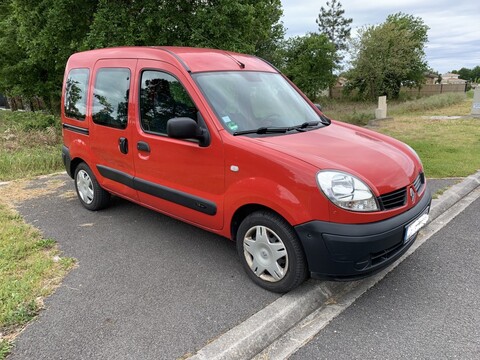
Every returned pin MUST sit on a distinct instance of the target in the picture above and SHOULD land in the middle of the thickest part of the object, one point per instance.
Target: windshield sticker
(230, 124)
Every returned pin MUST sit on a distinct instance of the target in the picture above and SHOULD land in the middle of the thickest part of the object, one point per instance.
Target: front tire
(89, 192)
(270, 252)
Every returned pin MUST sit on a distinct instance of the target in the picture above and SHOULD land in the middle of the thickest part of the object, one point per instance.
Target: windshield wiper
(263, 130)
(273, 130)
(305, 125)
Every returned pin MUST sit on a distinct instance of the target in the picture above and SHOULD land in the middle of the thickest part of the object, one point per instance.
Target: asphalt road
(146, 286)
(427, 308)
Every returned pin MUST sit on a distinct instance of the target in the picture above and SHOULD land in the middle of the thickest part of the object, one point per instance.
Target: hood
(385, 164)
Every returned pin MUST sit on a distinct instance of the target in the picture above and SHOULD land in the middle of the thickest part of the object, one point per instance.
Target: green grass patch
(30, 269)
(5, 347)
(24, 163)
(30, 144)
(449, 147)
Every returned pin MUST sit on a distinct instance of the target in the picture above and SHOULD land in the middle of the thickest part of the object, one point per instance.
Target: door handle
(123, 145)
(143, 146)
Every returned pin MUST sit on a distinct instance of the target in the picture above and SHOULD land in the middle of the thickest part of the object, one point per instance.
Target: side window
(163, 97)
(110, 97)
(75, 103)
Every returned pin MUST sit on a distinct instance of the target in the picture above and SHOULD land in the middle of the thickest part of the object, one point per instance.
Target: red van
(225, 142)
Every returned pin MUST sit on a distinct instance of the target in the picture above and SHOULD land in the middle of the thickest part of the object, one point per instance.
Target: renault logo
(412, 195)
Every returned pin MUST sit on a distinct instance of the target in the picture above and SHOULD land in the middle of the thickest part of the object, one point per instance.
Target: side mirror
(186, 128)
(318, 106)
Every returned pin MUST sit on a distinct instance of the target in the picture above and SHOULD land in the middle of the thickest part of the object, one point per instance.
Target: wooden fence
(425, 90)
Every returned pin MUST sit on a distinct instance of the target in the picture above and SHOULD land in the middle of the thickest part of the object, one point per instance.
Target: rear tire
(270, 252)
(89, 192)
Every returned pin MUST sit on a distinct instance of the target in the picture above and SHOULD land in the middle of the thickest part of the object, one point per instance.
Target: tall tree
(472, 75)
(251, 26)
(309, 62)
(388, 56)
(336, 27)
(36, 38)
(41, 36)
(332, 22)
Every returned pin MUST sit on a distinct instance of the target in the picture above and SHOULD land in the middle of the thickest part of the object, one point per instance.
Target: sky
(454, 35)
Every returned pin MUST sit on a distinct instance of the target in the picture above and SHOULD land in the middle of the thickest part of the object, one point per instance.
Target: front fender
(267, 193)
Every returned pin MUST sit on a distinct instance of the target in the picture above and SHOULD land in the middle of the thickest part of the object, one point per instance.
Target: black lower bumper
(350, 251)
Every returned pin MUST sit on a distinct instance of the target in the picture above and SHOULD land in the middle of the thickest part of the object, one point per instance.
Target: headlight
(346, 191)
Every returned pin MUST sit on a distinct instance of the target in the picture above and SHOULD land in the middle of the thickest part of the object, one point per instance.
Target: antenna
(239, 63)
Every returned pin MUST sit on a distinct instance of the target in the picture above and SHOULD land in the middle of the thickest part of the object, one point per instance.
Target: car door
(177, 177)
(111, 125)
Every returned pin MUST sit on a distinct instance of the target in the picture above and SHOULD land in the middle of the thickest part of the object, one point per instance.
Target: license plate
(414, 227)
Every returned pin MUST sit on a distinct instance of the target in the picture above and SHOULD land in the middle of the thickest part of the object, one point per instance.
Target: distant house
(449, 78)
(431, 78)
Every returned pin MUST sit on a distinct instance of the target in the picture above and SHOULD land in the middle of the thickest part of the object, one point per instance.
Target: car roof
(190, 59)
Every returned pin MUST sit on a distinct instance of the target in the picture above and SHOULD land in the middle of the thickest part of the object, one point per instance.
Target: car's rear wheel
(271, 252)
(89, 192)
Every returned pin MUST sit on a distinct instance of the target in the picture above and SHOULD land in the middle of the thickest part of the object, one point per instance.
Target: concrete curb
(257, 332)
(454, 194)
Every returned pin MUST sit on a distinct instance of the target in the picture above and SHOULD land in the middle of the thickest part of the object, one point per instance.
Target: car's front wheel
(271, 252)
(90, 193)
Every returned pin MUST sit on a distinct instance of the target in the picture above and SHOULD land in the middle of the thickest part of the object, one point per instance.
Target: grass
(354, 112)
(30, 269)
(30, 266)
(30, 144)
(447, 147)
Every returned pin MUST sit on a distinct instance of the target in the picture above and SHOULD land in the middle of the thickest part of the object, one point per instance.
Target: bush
(428, 103)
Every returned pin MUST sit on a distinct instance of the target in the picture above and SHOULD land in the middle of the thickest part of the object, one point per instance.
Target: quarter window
(75, 102)
(110, 97)
(163, 97)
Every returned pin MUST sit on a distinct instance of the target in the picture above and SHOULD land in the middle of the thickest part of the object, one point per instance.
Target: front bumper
(350, 251)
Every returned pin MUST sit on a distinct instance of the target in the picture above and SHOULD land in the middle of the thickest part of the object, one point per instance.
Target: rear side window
(110, 97)
(163, 97)
(75, 102)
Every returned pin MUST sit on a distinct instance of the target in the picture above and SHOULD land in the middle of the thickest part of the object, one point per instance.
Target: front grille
(419, 182)
(398, 198)
(394, 199)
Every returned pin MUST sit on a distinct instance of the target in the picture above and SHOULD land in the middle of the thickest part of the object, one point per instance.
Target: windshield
(250, 100)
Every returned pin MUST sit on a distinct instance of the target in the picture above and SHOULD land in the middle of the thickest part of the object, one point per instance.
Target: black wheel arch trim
(163, 192)
(67, 160)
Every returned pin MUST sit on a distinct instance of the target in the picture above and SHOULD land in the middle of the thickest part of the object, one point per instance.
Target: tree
(334, 25)
(36, 38)
(389, 56)
(40, 36)
(248, 26)
(472, 75)
(309, 63)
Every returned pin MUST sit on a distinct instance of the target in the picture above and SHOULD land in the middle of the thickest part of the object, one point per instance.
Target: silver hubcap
(265, 253)
(85, 187)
